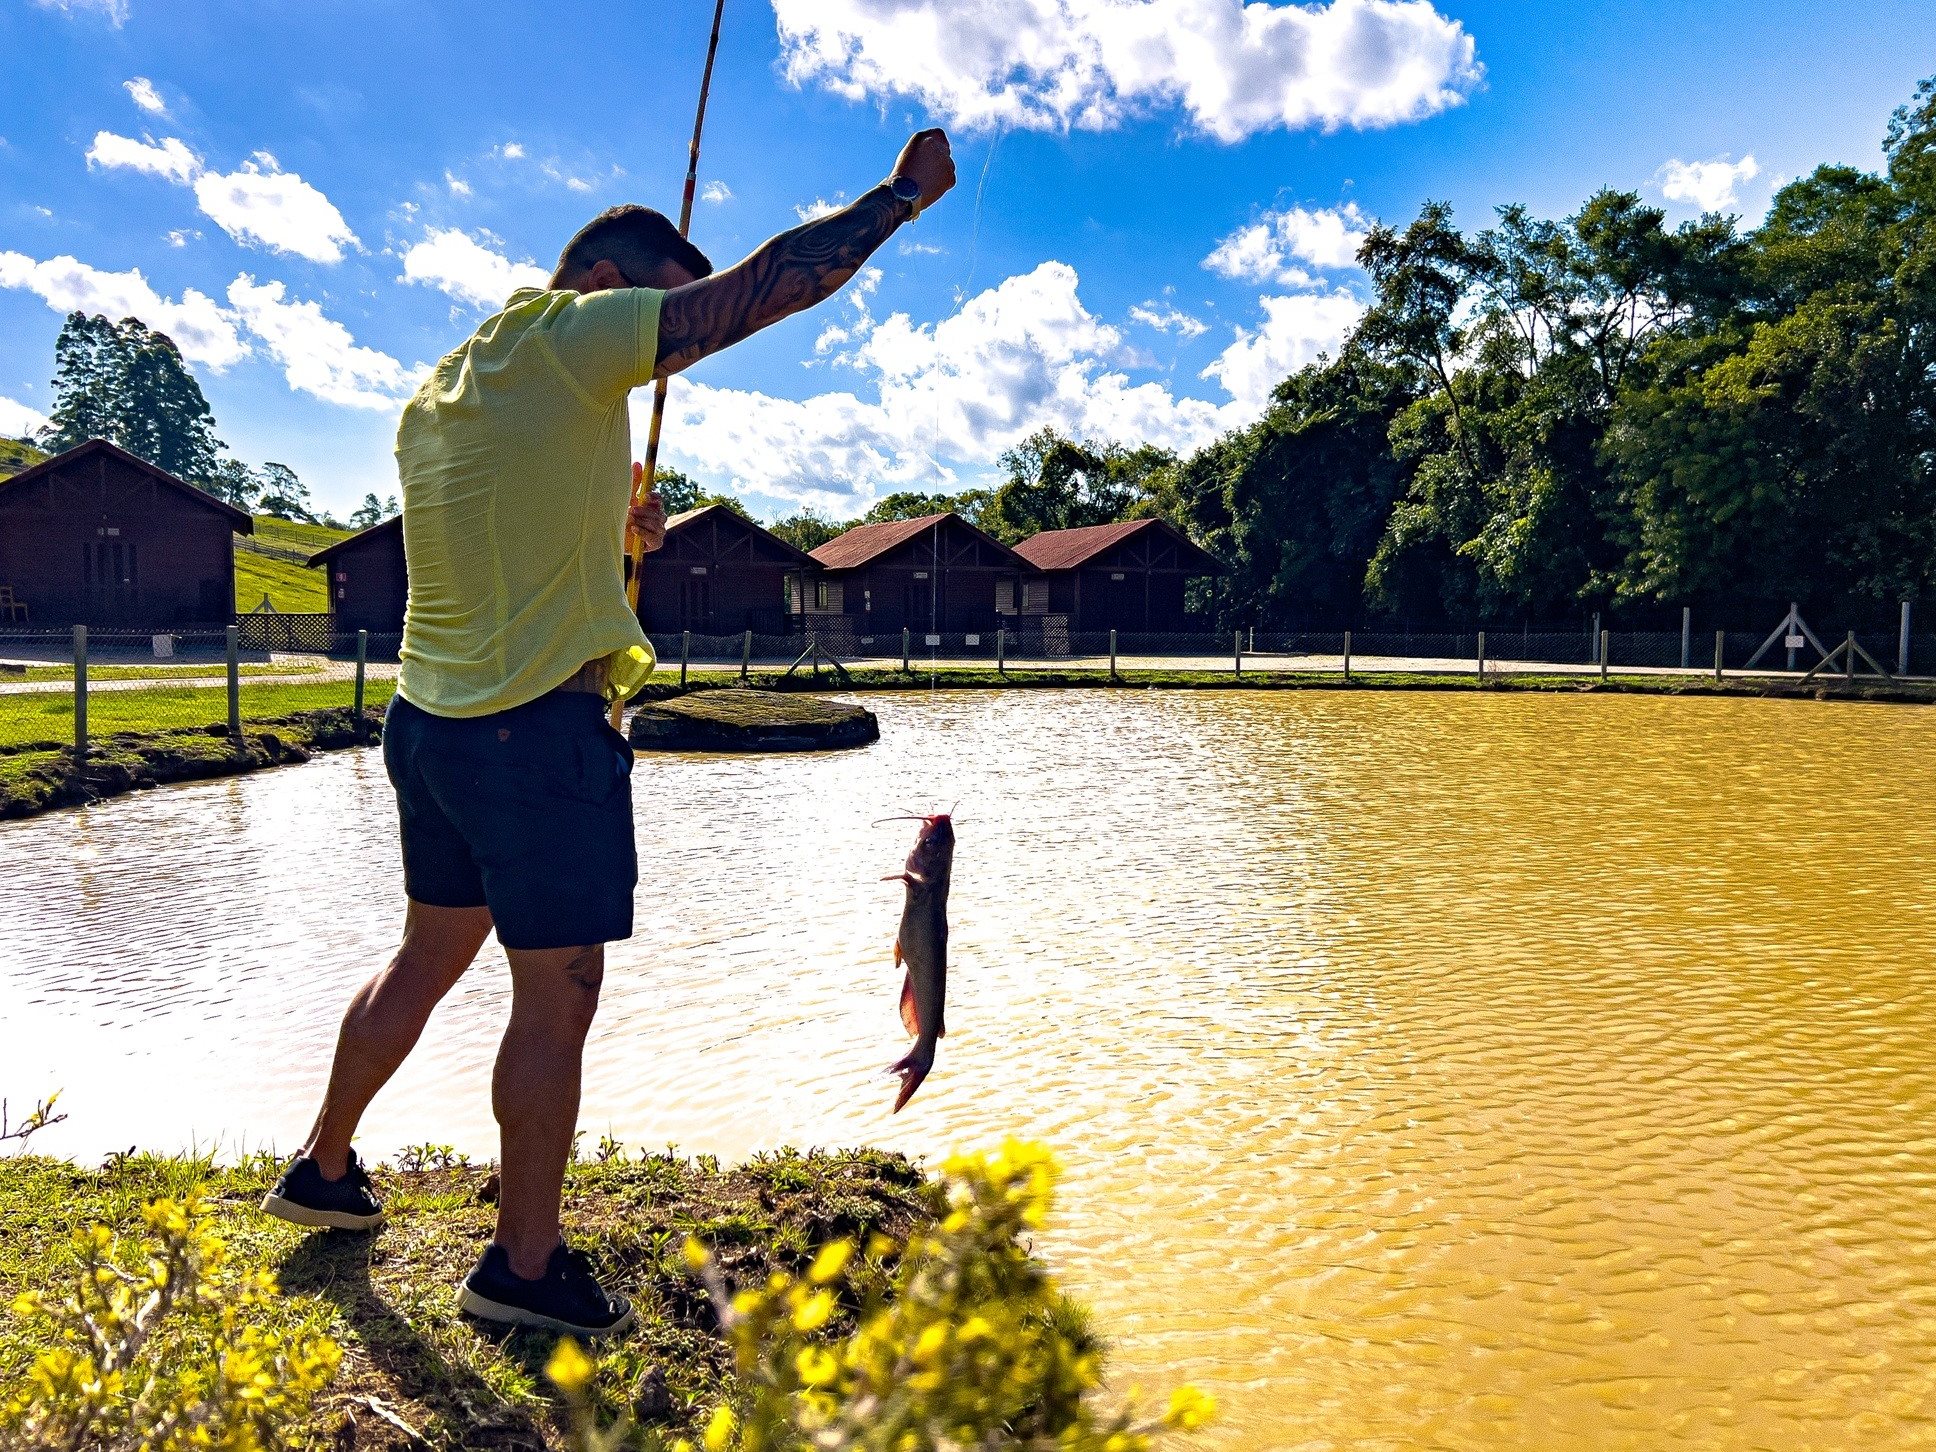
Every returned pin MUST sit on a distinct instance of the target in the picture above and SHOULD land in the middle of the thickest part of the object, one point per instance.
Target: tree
(234, 482)
(373, 511)
(284, 495)
(1058, 483)
(807, 530)
(126, 383)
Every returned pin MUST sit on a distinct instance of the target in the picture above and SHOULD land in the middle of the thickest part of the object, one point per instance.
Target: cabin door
(695, 603)
(109, 570)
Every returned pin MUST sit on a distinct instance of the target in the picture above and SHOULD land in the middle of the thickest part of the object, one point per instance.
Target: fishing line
(962, 293)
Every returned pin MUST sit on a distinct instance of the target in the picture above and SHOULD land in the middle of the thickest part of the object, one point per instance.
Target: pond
(1431, 1070)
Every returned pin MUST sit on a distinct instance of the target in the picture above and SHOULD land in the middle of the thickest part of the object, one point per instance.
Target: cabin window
(1035, 597)
(1004, 597)
(820, 594)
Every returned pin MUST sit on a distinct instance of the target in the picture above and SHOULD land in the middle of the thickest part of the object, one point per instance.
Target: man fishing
(513, 793)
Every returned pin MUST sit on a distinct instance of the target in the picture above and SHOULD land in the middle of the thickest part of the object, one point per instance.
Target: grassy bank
(272, 562)
(40, 777)
(147, 738)
(414, 1374)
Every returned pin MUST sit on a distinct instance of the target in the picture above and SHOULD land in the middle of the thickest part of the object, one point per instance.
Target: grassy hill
(270, 562)
(16, 455)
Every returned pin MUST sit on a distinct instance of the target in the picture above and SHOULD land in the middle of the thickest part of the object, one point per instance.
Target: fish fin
(910, 1019)
(897, 952)
(913, 1069)
(899, 877)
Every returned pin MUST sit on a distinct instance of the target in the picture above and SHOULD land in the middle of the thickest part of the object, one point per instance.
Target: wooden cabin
(718, 573)
(1125, 576)
(96, 536)
(368, 585)
(935, 574)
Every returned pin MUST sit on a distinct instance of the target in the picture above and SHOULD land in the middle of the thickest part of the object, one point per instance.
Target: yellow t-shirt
(516, 462)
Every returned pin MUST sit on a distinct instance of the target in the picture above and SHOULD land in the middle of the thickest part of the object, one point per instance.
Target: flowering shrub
(161, 1346)
(973, 1348)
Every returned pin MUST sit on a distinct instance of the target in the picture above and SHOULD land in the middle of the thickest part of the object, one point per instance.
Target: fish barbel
(922, 948)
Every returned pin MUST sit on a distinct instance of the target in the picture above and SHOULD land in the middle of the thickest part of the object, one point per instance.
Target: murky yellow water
(1432, 1071)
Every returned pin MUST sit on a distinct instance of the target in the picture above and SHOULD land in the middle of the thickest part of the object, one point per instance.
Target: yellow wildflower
(719, 1431)
(831, 1261)
(814, 1312)
(570, 1369)
(1189, 1409)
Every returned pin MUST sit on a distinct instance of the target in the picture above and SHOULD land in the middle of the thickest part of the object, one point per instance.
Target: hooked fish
(922, 948)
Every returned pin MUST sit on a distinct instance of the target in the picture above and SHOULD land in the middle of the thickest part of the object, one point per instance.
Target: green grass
(48, 716)
(292, 534)
(271, 562)
(161, 670)
(16, 456)
(387, 1297)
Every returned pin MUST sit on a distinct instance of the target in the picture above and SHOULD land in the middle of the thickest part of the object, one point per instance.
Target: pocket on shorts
(604, 765)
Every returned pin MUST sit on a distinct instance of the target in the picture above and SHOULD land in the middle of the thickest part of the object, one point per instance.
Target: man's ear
(601, 276)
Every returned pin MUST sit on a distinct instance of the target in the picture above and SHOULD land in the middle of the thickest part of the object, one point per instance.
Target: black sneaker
(568, 1298)
(303, 1197)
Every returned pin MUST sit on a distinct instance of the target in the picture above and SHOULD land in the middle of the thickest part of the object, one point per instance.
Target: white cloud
(466, 269)
(1016, 357)
(146, 96)
(1296, 329)
(1234, 68)
(18, 421)
(511, 151)
(261, 202)
(575, 183)
(1268, 249)
(201, 327)
(181, 237)
(318, 355)
(820, 207)
(1709, 185)
(115, 12)
(715, 192)
(1167, 319)
(458, 186)
(168, 158)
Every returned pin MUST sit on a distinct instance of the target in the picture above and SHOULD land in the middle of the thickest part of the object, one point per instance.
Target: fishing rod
(642, 487)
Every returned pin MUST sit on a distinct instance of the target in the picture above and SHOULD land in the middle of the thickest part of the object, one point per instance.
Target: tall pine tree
(126, 383)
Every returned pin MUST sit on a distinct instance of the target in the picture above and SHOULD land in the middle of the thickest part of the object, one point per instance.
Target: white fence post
(745, 656)
(1720, 648)
(1237, 651)
(1347, 655)
(1482, 657)
(1112, 655)
(685, 654)
(1687, 636)
(1902, 643)
(1001, 650)
(1606, 637)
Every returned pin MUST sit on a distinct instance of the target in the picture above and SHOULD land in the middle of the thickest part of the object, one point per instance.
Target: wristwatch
(906, 189)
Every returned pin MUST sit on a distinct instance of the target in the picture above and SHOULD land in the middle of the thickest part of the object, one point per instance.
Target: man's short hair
(636, 240)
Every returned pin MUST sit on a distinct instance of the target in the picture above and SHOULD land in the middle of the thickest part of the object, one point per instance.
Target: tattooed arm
(796, 269)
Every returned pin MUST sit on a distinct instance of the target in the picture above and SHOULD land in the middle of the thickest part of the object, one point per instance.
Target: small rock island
(743, 720)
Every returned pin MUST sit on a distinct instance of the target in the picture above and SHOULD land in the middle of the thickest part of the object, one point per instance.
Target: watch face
(906, 188)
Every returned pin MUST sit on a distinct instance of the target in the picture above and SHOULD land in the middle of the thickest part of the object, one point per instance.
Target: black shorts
(527, 812)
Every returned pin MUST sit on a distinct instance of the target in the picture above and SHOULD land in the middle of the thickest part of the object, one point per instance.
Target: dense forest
(1545, 418)
(1532, 421)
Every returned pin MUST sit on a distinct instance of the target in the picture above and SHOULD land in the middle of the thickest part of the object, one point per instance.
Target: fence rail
(65, 687)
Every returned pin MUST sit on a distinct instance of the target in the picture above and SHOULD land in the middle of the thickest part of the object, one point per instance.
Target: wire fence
(72, 688)
(1494, 652)
(64, 688)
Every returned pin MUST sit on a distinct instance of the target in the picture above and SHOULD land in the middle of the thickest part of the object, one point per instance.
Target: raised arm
(796, 269)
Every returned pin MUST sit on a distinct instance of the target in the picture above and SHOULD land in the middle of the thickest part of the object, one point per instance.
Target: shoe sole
(274, 1204)
(485, 1309)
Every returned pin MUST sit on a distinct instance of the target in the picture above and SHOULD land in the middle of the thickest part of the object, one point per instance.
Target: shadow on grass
(335, 1266)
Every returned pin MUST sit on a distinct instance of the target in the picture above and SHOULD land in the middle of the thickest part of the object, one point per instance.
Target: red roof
(240, 520)
(866, 542)
(1065, 549)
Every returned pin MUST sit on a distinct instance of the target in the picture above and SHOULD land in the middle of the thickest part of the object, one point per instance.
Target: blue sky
(318, 199)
